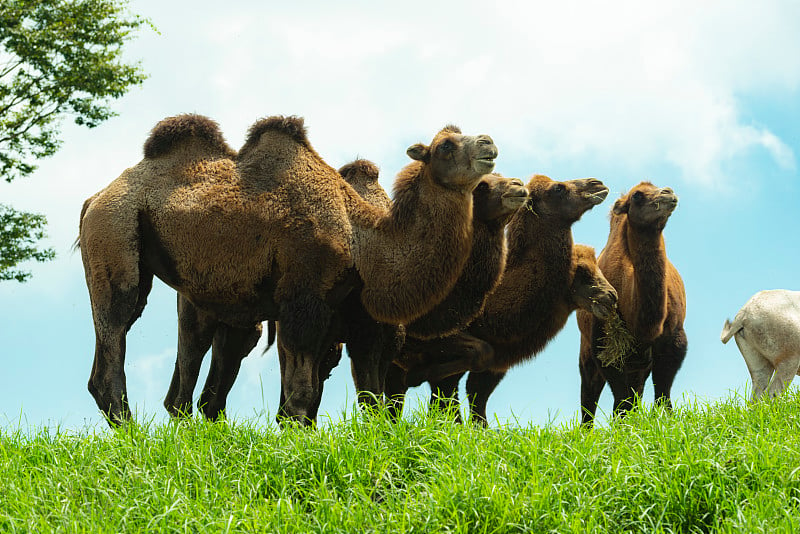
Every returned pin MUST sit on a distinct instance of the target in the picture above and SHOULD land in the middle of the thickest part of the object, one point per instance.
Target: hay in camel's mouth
(616, 343)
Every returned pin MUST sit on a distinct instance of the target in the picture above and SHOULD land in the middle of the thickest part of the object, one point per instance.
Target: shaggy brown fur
(494, 201)
(534, 298)
(590, 291)
(652, 303)
(368, 340)
(274, 234)
(170, 133)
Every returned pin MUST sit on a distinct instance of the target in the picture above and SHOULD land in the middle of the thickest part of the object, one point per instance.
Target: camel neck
(410, 260)
(648, 256)
(532, 301)
(480, 276)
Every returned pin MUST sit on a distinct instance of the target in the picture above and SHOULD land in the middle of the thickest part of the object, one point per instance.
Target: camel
(767, 332)
(270, 233)
(652, 304)
(367, 339)
(529, 306)
(495, 199)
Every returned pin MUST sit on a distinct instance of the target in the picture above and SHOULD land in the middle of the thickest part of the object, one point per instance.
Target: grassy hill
(727, 467)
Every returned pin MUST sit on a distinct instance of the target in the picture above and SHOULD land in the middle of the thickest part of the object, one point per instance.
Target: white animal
(767, 331)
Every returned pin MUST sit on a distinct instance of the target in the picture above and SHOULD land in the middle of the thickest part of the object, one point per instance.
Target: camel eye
(447, 146)
(638, 196)
(559, 189)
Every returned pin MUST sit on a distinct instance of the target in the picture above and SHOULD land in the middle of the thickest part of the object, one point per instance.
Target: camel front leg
(627, 384)
(479, 388)
(668, 356)
(592, 384)
(304, 337)
(444, 397)
(395, 389)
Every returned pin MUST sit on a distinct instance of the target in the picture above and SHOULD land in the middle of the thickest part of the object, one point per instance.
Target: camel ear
(419, 152)
(620, 206)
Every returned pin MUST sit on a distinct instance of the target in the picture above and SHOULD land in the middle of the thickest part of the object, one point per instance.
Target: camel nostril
(668, 191)
(485, 140)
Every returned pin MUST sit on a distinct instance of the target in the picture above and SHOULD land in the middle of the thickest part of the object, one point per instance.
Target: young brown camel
(590, 292)
(272, 233)
(652, 303)
(530, 305)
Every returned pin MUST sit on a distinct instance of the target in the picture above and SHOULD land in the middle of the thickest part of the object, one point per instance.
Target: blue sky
(701, 98)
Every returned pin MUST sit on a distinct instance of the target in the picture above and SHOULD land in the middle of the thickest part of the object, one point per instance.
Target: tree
(58, 59)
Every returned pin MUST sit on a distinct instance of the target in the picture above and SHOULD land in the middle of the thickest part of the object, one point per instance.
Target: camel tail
(77, 244)
(272, 330)
(729, 329)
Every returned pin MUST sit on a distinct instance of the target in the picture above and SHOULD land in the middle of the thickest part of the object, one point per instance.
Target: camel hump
(360, 170)
(170, 132)
(292, 126)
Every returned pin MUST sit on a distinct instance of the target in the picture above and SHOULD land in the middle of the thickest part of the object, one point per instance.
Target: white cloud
(640, 84)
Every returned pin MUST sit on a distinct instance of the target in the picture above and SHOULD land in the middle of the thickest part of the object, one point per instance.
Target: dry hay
(616, 343)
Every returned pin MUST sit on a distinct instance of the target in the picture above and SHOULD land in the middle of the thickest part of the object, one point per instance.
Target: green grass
(727, 467)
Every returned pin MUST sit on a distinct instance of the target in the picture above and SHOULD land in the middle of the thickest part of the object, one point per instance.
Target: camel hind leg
(444, 397)
(480, 386)
(115, 307)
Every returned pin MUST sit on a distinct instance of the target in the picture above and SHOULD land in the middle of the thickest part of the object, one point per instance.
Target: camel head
(647, 205)
(566, 201)
(497, 198)
(590, 289)
(455, 160)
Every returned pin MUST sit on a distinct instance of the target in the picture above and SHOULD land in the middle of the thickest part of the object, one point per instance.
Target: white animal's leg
(760, 368)
(785, 370)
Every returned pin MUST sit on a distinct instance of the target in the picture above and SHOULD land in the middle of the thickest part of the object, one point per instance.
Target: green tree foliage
(58, 59)
(18, 233)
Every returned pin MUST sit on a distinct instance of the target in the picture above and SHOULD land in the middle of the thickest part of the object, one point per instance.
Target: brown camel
(495, 200)
(270, 233)
(367, 339)
(652, 303)
(527, 309)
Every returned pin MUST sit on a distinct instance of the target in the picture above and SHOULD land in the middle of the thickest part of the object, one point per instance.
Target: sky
(703, 97)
